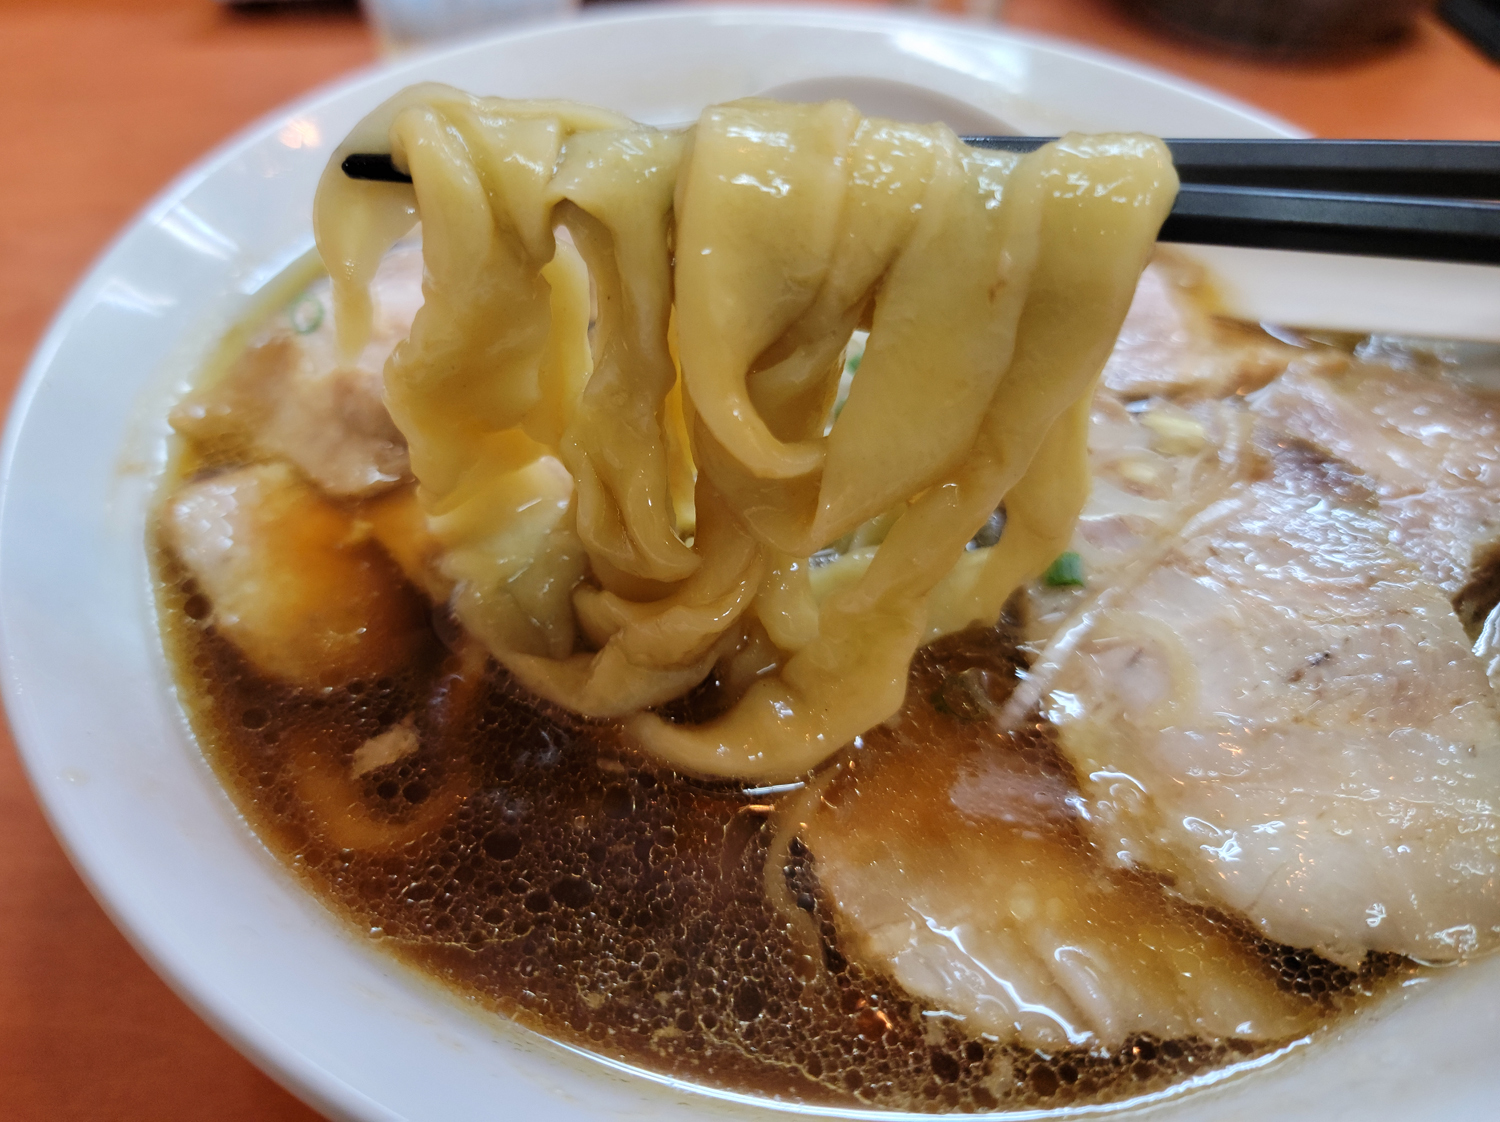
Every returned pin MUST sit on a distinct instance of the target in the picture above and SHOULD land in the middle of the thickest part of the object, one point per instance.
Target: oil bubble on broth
(623, 908)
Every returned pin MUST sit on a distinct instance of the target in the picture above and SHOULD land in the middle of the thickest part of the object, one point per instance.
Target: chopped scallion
(1066, 570)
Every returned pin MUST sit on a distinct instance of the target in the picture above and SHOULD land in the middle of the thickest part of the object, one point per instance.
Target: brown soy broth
(543, 869)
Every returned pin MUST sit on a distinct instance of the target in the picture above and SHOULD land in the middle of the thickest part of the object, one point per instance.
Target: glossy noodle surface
(992, 286)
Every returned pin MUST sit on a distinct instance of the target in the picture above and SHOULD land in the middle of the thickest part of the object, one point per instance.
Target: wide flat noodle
(730, 266)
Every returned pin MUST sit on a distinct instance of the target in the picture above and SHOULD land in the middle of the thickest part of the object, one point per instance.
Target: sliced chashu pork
(1284, 716)
(1168, 432)
(954, 863)
(296, 582)
(290, 397)
(1169, 345)
(1429, 446)
(1154, 465)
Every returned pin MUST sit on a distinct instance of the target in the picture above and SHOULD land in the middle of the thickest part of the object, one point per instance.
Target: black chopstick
(1318, 222)
(1425, 200)
(377, 167)
(1443, 169)
(1448, 169)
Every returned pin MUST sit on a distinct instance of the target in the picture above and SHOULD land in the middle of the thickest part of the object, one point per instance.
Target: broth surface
(531, 861)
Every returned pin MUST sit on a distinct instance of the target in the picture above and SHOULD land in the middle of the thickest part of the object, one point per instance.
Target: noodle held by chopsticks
(554, 472)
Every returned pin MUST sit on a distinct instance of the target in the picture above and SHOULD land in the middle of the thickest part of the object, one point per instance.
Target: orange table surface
(106, 101)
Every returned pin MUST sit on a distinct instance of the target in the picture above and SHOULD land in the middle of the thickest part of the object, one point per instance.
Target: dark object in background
(1288, 29)
(1478, 21)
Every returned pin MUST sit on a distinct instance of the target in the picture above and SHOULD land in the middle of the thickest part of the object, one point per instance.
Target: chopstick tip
(375, 167)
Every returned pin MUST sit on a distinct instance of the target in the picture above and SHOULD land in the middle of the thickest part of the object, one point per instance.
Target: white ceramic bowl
(92, 704)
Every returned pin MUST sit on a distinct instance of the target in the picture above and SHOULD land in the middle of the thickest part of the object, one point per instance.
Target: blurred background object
(1478, 21)
(1301, 31)
(1289, 29)
(407, 23)
(402, 24)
